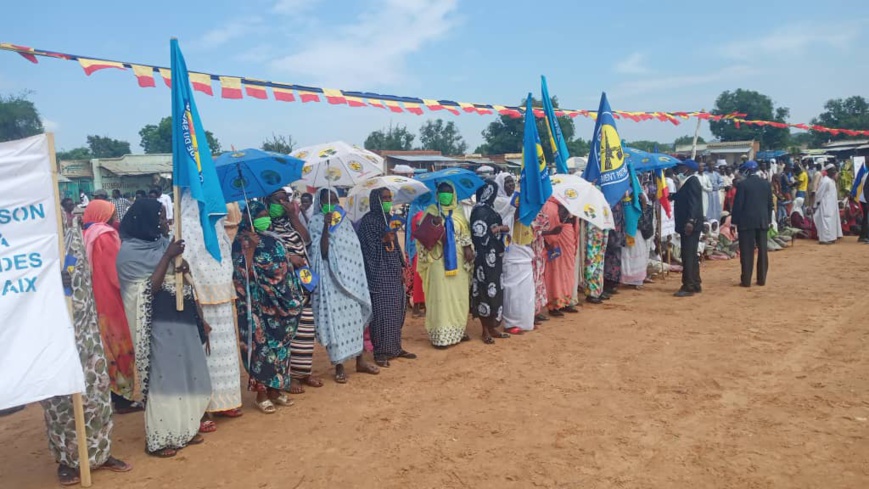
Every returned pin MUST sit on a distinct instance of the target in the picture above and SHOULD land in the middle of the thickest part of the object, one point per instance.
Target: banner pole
(84, 463)
(179, 277)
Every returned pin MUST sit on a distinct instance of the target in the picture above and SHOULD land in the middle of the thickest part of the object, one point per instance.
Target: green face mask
(276, 210)
(445, 198)
(387, 207)
(262, 223)
(328, 208)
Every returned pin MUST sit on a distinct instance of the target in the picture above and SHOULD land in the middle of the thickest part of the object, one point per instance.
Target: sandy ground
(742, 388)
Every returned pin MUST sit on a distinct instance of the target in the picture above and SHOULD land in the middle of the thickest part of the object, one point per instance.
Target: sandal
(408, 355)
(231, 413)
(114, 465)
(368, 369)
(282, 400)
(570, 309)
(207, 426)
(488, 340)
(312, 381)
(341, 377)
(541, 317)
(196, 440)
(266, 407)
(515, 330)
(296, 387)
(382, 362)
(67, 476)
(164, 453)
(556, 313)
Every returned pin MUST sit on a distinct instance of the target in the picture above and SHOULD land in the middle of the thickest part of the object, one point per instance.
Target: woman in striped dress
(287, 223)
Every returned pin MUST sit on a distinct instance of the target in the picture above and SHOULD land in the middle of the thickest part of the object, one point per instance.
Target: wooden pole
(84, 463)
(179, 277)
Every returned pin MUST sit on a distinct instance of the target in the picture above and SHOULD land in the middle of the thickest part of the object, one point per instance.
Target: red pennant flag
(255, 91)
(355, 102)
(92, 65)
(432, 104)
(230, 87)
(201, 83)
(393, 106)
(24, 51)
(413, 108)
(484, 111)
(308, 96)
(376, 103)
(467, 107)
(166, 74)
(334, 97)
(452, 109)
(283, 94)
(144, 75)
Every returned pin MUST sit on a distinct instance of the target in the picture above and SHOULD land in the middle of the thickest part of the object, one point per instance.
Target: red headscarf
(98, 211)
(96, 217)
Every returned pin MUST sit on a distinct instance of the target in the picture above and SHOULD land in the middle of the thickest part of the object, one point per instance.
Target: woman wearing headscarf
(269, 302)
(215, 294)
(102, 244)
(62, 440)
(518, 278)
(561, 246)
(170, 360)
(487, 292)
(287, 223)
(616, 240)
(341, 301)
(445, 271)
(540, 227)
(384, 267)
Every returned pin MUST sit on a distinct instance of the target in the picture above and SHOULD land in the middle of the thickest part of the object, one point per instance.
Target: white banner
(38, 355)
(668, 224)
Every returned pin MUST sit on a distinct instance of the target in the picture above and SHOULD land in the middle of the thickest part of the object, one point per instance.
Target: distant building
(127, 174)
(848, 148)
(729, 151)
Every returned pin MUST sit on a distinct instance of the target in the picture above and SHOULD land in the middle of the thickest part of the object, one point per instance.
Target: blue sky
(647, 55)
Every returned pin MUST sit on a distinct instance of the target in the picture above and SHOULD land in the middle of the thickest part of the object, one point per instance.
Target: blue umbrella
(643, 161)
(252, 173)
(465, 182)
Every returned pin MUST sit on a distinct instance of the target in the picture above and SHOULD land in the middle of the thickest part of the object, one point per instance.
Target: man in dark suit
(752, 210)
(689, 222)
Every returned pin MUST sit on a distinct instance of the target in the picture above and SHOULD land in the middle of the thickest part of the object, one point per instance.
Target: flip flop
(408, 355)
(114, 465)
(312, 382)
(67, 476)
(231, 413)
(369, 369)
(341, 378)
(282, 400)
(164, 453)
(207, 426)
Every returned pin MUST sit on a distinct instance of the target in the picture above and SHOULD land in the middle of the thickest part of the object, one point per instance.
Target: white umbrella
(577, 164)
(583, 200)
(404, 190)
(337, 164)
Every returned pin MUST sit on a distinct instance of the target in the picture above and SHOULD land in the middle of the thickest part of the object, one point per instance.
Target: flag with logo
(192, 165)
(556, 138)
(535, 187)
(606, 160)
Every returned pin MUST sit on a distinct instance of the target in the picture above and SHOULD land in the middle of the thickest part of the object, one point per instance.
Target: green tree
(106, 147)
(158, 138)
(756, 106)
(579, 147)
(649, 146)
(505, 134)
(849, 113)
(279, 144)
(81, 153)
(437, 136)
(18, 118)
(392, 138)
(686, 140)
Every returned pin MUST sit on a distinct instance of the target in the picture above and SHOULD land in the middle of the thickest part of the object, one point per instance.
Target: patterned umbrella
(583, 200)
(252, 173)
(338, 164)
(404, 190)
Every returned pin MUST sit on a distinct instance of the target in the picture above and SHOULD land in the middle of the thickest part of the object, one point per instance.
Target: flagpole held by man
(606, 159)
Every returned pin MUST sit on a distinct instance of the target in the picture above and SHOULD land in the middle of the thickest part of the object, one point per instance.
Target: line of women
(286, 282)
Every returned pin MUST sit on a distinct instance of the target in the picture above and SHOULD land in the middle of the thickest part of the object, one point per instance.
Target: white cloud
(228, 32)
(794, 39)
(294, 7)
(50, 125)
(632, 65)
(669, 83)
(371, 50)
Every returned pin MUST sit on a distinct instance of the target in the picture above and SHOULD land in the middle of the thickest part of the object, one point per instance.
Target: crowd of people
(296, 271)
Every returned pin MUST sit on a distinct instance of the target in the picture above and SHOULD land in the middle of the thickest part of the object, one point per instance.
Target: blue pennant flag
(193, 167)
(556, 138)
(534, 178)
(606, 159)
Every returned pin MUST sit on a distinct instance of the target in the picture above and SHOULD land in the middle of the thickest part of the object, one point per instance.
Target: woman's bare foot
(366, 368)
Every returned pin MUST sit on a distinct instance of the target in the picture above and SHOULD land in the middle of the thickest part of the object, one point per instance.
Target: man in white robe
(706, 185)
(826, 208)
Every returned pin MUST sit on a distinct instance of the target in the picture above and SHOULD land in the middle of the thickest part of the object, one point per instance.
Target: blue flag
(857, 186)
(534, 179)
(556, 138)
(606, 160)
(193, 167)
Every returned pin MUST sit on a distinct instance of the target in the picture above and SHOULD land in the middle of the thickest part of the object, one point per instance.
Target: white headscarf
(502, 202)
(798, 206)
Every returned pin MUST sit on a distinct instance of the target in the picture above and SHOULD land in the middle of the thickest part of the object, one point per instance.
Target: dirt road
(743, 388)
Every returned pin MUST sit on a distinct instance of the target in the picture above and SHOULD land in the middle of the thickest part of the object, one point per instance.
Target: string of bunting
(236, 87)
